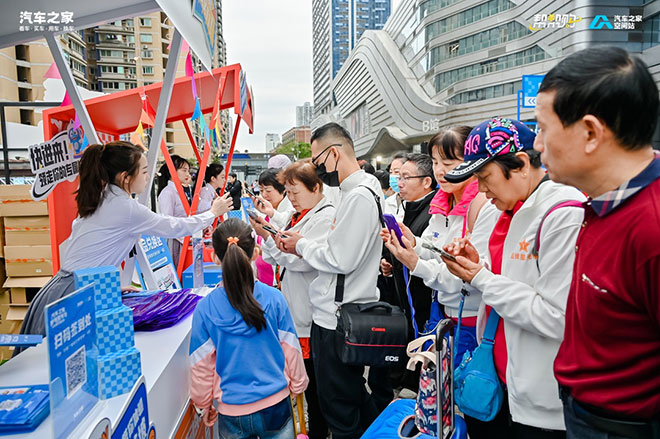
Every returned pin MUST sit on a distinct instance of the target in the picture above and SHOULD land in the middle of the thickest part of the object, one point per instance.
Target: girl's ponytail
(99, 166)
(233, 242)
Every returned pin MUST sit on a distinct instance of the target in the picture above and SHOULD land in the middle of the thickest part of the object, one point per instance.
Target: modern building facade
(439, 63)
(272, 141)
(304, 114)
(337, 26)
(297, 134)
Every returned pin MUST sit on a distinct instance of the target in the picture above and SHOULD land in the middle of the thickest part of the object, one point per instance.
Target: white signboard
(55, 161)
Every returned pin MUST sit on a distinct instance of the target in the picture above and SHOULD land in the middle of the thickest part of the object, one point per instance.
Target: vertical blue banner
(72, 358)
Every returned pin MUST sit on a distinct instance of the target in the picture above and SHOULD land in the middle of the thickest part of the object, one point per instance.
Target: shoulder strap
(491, 327)
(537, 241)
(473, 211)
(341, 278)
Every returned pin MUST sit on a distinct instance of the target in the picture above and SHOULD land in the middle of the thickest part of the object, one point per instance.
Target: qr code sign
(76, 371)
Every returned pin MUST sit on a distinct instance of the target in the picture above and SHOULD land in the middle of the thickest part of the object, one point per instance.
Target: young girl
(109, 221)
(214, 180)
(244, 349)
(169, 202)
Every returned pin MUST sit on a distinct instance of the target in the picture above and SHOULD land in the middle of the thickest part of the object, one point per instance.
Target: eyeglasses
(314, 159)
(404, 179)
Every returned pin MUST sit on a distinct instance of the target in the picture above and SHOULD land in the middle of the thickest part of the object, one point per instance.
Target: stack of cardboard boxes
(25, 246)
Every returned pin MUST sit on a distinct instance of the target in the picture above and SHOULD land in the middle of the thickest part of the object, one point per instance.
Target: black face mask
(329, 178)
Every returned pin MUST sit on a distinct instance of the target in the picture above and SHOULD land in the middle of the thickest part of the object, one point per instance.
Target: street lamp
(379, 159)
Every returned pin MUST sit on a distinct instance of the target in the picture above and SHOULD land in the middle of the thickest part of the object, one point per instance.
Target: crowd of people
(555, 232)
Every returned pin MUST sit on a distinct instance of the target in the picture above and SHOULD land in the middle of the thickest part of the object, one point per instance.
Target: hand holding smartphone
(442, 253)
(393, 226)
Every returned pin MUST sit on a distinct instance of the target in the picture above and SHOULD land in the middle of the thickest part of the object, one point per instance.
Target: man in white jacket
(353, 249)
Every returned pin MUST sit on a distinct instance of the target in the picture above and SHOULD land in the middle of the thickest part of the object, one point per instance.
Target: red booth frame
(118, 113)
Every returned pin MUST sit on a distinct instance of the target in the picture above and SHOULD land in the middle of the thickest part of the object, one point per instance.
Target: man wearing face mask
(352, 248)
(394, 204)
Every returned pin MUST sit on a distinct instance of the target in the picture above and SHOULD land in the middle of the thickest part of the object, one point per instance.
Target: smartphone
(442, 253)
(249, 191)
(393, 226)
(253, 214)
(273, 231)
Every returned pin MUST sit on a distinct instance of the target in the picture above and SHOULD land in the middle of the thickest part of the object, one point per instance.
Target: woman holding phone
(526, 273)
(313, 217)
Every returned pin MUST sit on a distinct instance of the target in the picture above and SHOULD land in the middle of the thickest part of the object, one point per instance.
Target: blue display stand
(212, 275)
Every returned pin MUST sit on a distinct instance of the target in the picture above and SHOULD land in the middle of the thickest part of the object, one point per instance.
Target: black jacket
(416, 218)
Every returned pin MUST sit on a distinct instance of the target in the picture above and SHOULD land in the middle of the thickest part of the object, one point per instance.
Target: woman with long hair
(110, 222)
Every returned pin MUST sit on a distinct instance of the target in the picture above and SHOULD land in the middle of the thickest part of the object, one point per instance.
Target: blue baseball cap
(497, 136)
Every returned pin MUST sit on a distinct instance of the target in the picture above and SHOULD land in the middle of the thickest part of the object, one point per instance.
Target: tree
(299, 150)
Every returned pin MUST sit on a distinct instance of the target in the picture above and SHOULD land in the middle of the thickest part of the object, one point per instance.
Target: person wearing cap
(598, 111)
(524, 279)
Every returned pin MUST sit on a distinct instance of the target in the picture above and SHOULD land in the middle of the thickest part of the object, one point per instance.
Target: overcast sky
(273, 42)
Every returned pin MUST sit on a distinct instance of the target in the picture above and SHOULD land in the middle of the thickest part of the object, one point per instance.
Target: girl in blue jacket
(244, 350)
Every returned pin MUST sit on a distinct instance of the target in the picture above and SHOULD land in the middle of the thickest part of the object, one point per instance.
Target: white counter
(165, 367)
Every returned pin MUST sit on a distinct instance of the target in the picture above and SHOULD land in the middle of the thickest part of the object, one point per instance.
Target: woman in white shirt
(110, 221)
(312, 217)
(214, 179)
(169, 202)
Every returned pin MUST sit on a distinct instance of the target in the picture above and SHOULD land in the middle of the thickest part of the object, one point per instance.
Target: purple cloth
(154, 310)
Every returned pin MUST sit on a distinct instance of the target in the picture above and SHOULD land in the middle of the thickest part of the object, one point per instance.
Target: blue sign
(530, 84)
(134, 420)
(20, 340)
(72, 357)
(155, 265)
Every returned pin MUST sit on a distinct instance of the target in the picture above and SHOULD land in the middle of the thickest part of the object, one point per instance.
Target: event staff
(110, 221)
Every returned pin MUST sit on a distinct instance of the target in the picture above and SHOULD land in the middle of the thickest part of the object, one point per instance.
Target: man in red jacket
(597, 112)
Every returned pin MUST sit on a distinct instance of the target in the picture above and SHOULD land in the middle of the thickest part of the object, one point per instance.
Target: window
(129, 22)
(494, 91)
(478, 41)
(147, 70)
(527, 56)
(130, 39)
(147, 54)
(145, 22)
(146, 38)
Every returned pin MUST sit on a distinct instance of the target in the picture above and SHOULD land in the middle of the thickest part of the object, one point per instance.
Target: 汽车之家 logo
(618, 22)
(39, 21)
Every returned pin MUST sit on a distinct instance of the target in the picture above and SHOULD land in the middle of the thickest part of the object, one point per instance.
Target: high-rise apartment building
(115, 56)
(272, 141)
(304, 115)
(337, 25)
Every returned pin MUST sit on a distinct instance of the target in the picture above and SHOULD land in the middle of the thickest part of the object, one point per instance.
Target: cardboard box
(15, 200)
(23, 289)
(17, 313)
(2, 238)
(22, 261)
(27, 230)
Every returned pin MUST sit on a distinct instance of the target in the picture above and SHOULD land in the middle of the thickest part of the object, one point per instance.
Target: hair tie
(232, 240)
